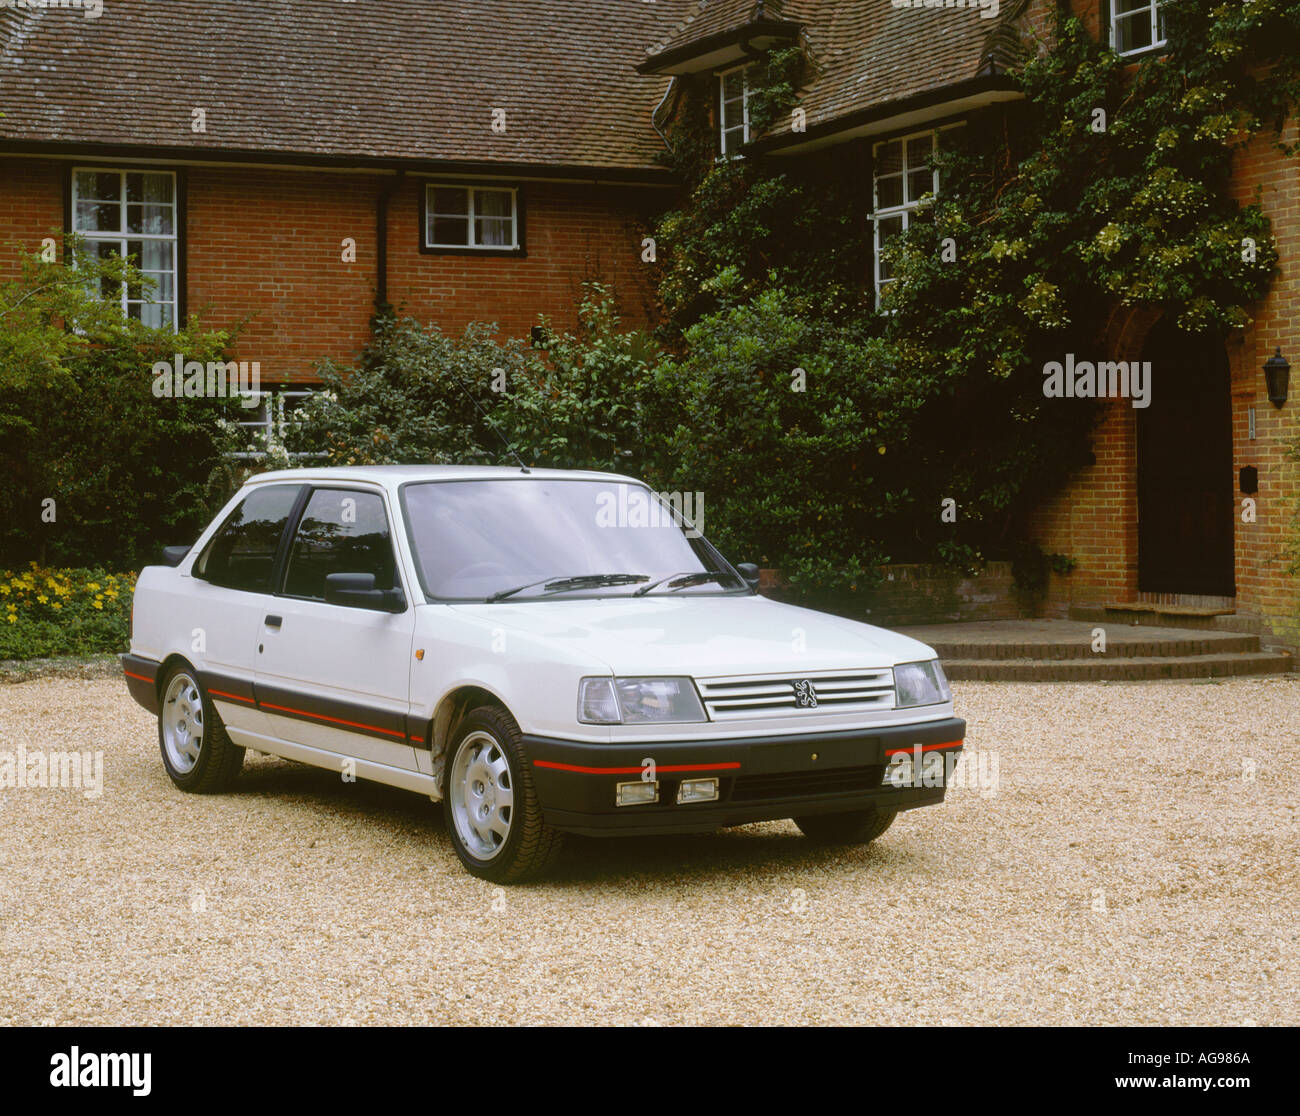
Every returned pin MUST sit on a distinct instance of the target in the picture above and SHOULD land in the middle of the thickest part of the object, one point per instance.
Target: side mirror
(749, 572)
(174, 555)
(357, 590)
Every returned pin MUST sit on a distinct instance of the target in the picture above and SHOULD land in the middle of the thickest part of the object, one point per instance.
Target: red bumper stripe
(139, 676)
(924, 748)
(635, 770)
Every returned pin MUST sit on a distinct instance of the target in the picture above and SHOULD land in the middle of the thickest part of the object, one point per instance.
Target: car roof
(393, 475)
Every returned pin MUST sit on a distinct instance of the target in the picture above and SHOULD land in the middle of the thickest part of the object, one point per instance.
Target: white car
(544, 652)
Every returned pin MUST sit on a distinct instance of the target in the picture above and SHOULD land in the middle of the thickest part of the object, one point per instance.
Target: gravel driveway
(1135, 864)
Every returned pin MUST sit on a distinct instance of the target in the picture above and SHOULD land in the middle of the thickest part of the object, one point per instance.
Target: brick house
(282, 164)
(485, 160)
(1157, 525)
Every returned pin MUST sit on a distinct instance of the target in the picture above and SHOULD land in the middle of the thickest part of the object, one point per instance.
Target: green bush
(418, 396)
(46, 613)
(96, 467)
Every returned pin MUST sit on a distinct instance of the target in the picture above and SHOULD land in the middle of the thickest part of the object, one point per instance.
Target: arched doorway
(1186, 499)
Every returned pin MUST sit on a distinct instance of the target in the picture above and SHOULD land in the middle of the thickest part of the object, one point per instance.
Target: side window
(342, 531)
(241, 554)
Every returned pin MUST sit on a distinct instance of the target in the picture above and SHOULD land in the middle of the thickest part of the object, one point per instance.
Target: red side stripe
(139, 676)
(635, 770)
(924, 748)
(333, 720)
(232, 697)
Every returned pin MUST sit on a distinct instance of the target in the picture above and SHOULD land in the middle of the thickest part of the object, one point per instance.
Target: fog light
(901, 771)
(636, 794)
(697, 790)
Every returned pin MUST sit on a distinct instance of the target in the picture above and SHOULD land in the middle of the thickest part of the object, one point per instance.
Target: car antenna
(510, 449)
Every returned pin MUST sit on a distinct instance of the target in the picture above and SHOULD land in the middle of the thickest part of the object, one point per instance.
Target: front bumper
(760, 778)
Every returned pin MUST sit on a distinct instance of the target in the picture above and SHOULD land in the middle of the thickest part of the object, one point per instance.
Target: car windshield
(523, 539)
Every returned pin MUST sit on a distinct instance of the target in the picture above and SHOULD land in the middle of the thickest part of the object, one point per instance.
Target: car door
(335, 677)
(221, 614)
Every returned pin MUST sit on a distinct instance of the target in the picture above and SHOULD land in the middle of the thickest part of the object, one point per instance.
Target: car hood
(703, 636)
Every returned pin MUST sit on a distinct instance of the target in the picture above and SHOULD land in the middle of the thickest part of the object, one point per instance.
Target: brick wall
(1094, 519)
(922, 594)
(263, 249)
(31, 208)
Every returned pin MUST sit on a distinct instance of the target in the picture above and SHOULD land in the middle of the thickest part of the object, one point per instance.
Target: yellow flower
(12, 618)
(99, 604)
(43, 598)
(57, 605)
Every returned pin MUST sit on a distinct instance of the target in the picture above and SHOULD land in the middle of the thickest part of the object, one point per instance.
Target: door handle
(274, 622)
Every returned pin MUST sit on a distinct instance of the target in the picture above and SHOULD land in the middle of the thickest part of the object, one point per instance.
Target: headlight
(920, 684)
(638, 701)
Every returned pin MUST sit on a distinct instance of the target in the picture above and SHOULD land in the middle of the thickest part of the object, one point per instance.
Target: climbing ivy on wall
(1108, 187)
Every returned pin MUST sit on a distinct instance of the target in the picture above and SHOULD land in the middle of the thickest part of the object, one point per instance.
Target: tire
(860, 827)
(504, 843)
(202, 762)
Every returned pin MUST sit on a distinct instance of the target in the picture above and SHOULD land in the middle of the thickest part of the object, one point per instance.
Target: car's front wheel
(859, 827)
(198, 754)
(491, 807)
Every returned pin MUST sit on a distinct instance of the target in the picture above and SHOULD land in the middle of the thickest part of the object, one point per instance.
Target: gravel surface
(1136, 864)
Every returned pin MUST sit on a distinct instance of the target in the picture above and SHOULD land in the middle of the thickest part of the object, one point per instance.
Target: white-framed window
(132, 214)
(903, 174)
(481, 218)
(1136, 25)
(271, 423)
(733, 110)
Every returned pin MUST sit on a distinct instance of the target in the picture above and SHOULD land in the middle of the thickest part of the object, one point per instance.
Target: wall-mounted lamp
(1277, 375)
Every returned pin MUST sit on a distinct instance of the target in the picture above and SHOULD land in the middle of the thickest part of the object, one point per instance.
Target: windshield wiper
(685, 579)
(581, 581)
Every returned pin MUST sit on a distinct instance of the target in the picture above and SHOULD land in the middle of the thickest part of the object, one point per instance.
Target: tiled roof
(867, 53)
(397, 79)
(707, 18)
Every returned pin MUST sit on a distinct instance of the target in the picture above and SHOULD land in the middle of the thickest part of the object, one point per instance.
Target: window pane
(919, 183)
(886, 229)
(153, 219)
(1133, 32)
(163, 286)
(98, 217)
(449, 230)
(733, 85)
(492, 203)
(153, 255)
(450, 201)
(889, 192)
(153, 314)
(99, 186)
(492, 231)
(889, 158)
(153, 188)
(242, 554)
(342, 531)
(1122, 6)
(919, 149)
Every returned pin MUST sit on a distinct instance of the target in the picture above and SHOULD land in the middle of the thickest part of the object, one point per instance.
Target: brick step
(1121, 643)
(1159, 616)
(1108, 669)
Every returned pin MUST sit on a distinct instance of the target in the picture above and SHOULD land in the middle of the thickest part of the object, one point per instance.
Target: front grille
(735, 698)
(806, 784)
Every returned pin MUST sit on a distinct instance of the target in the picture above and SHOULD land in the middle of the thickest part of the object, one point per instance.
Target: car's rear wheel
(860, 827)
(491, 807)
(198, 754)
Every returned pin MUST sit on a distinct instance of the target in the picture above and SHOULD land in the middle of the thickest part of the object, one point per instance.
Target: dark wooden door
(1186, 490)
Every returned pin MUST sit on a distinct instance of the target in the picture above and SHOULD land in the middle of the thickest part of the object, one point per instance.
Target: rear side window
(341, 531)
(241, 554)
